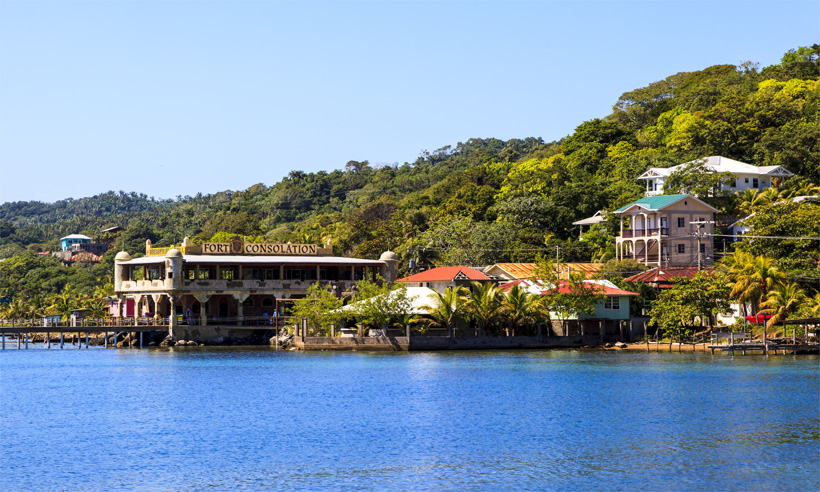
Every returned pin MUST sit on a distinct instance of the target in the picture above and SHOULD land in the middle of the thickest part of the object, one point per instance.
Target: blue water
(229, 419)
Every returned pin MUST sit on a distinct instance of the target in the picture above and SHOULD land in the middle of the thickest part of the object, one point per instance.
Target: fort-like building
(234, 284)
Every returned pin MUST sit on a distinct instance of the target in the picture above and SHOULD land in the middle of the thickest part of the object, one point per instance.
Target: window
(612, 303)
(754, 183)
(227, 274)
(205, 274)
(681, 222)
(272, 274)
(681, 249)
(248, 302)
(703, 248)
(746, 180)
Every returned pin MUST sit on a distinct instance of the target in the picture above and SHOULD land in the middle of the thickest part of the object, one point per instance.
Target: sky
(177, 98)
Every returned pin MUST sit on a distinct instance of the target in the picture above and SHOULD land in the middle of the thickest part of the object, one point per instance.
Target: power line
(744, 236)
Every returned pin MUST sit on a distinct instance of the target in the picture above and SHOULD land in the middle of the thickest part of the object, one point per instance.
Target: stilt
(3, 336)
(18, 341)
(86, 339)
(140, 340)
(26, 339)
(105, 340)
(48, 340)
(732, 342)
(79, 341)
(62, 339)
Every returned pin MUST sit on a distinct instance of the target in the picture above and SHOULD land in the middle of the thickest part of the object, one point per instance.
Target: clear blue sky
(175, 98)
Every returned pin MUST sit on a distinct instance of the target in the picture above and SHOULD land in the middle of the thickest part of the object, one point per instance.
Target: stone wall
(441, 343)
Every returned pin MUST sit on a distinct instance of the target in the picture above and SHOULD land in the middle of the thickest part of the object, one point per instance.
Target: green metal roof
(653, 202)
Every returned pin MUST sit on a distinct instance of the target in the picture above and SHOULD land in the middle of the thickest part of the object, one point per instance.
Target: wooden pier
(22, 334)
(766, 348)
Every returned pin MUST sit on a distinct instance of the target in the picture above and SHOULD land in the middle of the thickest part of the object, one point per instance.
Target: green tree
(448, 307)
(781, 301)
(320, 307)
(377, 304)
(751, 277)
(484, 304)
(519, 306)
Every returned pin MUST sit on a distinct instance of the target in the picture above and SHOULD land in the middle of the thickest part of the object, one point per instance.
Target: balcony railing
(653, 231)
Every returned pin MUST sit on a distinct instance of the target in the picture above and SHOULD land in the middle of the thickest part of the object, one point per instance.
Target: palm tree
(784, 299)
(447, 307)
(753, 277)
(64, 302)
(519, 305)
(750, 200)
(484, 303)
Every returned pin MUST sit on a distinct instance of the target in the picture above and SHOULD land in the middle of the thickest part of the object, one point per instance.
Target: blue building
(80, 239)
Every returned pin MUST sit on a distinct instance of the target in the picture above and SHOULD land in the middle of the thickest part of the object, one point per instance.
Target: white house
(747, 175)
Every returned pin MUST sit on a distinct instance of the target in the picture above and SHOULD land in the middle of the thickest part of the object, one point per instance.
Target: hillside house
(662, 231)
(747, 176)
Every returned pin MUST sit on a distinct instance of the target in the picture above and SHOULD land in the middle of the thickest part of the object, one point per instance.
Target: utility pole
(699, 236)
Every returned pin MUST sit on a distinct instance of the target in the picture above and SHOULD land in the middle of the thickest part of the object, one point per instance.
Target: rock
(191, 343)
(621, 345)
(218, 340)
(608, 345)
(152, 344)
(168, 342)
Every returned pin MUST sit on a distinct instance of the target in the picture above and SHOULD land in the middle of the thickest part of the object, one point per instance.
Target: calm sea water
(228, 419)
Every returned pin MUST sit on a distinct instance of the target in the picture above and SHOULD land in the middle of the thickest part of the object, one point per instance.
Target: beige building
(234, 284)
(666, 230)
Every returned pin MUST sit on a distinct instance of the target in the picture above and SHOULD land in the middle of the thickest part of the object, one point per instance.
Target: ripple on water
(252, 419)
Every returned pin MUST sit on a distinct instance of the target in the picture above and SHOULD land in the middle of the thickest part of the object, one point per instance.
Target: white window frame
(612, 303)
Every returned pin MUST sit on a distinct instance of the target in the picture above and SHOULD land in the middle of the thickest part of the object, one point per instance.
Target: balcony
(233, 285)
(630, 233)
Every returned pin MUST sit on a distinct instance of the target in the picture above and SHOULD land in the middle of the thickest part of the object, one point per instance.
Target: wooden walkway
(768, 348)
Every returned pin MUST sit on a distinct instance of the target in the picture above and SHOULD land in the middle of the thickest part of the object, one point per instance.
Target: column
(172, 323)
(203, 308)
(240, 308)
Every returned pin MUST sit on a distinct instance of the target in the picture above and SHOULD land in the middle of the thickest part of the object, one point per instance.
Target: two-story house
(666, 230)
(747, 175)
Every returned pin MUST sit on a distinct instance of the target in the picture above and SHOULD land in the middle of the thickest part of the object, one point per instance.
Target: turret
(173, 269)
(389, 271)
(120, 269)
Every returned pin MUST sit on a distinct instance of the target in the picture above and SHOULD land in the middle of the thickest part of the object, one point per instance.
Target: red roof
(446, 274)
(563, 288)
(661, 277)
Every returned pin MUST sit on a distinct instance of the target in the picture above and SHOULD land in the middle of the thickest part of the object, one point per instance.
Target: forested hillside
(477, 202)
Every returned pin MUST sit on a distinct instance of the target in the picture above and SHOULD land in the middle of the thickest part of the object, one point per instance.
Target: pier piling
(26, 340)
(48, 340)
(62, 339)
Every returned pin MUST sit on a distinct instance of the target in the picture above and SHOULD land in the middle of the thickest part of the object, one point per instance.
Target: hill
(477, 202)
